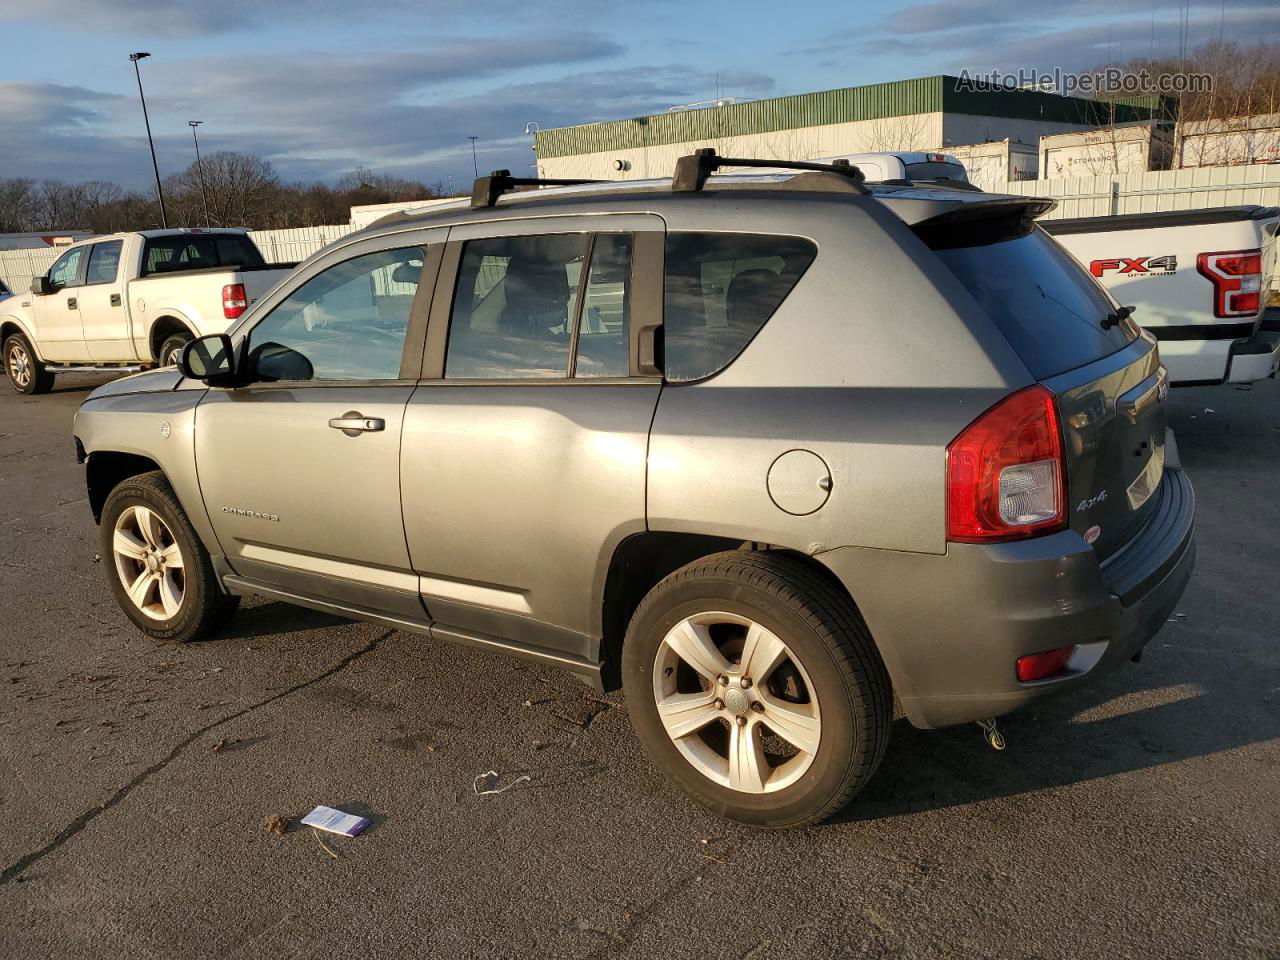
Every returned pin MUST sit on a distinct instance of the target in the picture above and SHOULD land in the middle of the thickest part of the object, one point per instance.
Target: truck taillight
(234, 300)
(1006, 476)
(1237, 281)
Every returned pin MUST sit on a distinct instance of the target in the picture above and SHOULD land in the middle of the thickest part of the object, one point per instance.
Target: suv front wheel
(156, 566)
(753, 683)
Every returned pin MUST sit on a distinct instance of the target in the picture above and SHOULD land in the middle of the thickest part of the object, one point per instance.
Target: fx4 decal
(1135, 265)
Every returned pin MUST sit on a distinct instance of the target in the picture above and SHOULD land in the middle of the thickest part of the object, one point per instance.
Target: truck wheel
(25, 371)
(754, 685)
(156, 566)
(171, 347)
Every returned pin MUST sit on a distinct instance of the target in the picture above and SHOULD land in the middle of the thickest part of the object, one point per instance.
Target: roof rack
(692, 170)
(486, 190)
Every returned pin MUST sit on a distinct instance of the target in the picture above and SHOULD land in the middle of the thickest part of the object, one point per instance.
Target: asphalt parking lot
(1139, 820)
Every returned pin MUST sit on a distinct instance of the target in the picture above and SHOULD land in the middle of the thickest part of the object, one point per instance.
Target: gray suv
(785, 455)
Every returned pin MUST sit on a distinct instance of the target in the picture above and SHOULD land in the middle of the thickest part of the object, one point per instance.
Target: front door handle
(353, 423)
(71, 303)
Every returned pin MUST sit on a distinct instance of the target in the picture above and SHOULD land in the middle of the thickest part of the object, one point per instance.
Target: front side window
(347, 323)
(66, 272)
(104, 262)
(720, 289)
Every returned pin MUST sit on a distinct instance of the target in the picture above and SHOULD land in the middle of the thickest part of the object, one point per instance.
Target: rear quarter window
(1048, 308)
(720, 290)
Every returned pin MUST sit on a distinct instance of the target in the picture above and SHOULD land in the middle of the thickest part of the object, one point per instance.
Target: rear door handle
(353, 423)
(115, 299)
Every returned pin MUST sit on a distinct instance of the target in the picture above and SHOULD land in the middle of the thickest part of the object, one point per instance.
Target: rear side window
(1048, 308)
(104, 262)
(541, 307)
(720, 290)
(200, 251)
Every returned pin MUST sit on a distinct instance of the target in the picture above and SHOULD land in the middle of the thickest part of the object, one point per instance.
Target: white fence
(17, 267)
(1159, 190)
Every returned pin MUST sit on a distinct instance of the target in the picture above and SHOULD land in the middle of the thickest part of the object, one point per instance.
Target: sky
(320, 87)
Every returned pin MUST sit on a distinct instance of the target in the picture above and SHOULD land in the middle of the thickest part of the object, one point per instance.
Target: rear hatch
(1104, 371)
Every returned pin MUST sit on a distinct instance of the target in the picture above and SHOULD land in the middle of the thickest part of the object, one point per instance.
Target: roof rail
(692, 170)
(486, 190)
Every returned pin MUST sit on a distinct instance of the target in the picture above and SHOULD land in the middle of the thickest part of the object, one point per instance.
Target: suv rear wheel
(157, 567)
(753, 684)
(25, 371)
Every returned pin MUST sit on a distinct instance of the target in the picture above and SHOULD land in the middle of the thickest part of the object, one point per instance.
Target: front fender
(159, 426)
(23, 321)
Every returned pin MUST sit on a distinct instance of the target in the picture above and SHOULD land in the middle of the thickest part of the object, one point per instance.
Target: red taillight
(1037, 666)
(1006, 478)
(1237, 281)
(234, 300)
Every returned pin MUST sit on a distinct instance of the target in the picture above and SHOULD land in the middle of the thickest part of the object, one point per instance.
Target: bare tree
(909, 132)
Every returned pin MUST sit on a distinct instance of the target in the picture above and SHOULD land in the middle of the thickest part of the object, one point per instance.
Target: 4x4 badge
(1097, 498)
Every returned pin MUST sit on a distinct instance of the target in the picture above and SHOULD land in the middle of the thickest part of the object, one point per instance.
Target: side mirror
(272, 362)
(210, 359)
(41, 286)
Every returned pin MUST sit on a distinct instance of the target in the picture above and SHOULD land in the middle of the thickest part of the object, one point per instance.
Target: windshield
(1049, 309)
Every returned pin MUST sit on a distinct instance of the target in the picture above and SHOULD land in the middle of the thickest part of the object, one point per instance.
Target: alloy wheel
(149, 562)
(737, 702)
(19, 365)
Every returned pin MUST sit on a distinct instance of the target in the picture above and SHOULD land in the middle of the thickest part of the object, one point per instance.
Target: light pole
(474, 163)
(204, 197)
(155, 167)
(532, 127)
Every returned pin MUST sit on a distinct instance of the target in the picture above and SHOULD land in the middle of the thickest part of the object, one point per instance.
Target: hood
(149, 381)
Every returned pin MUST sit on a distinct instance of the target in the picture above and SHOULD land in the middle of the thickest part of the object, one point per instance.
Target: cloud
(184, 18)
(316, 114)
(1043, 34)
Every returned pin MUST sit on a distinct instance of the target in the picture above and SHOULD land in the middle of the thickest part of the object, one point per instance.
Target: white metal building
(929, 113)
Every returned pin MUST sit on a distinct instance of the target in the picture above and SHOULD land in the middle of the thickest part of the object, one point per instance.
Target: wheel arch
(107, 469)
(164, 327)
(9, 324)
(642, 560)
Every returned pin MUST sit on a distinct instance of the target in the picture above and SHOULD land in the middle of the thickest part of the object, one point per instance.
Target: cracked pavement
(1138, 820)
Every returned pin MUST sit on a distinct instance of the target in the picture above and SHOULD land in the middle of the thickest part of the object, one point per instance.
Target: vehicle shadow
(266, 619)
(1125, 723)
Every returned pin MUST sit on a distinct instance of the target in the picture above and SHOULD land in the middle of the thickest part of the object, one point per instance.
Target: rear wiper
(1113, 319)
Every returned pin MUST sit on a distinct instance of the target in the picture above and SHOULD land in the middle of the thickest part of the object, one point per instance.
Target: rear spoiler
(918, 210)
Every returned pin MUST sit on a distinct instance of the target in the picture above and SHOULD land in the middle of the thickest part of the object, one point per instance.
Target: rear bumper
(950, 628)
(1254, 359)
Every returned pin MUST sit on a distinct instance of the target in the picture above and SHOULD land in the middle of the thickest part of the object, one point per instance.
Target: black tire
(204, 607)
(38, 379)
(824, 632)
(171, 347)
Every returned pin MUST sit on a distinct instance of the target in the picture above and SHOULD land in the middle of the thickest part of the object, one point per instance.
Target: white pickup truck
(128, 301)
(1197, 280)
